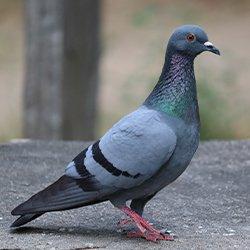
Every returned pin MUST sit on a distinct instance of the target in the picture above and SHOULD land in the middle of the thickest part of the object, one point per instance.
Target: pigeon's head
(190, 40)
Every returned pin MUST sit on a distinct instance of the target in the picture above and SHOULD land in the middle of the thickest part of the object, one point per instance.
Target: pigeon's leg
(136, 205)
(146, 230)
(124, 222)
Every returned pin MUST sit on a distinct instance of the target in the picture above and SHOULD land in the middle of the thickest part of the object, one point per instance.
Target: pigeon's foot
(124, 222)
(151, 236)
(146, 230)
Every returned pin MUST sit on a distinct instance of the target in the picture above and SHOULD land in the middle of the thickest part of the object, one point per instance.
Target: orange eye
(190, 37)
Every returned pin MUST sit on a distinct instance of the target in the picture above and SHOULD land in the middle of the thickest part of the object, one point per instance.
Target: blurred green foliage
(145, 15)
(215, 123)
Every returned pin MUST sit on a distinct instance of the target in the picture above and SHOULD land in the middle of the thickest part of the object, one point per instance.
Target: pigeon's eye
(190, 37)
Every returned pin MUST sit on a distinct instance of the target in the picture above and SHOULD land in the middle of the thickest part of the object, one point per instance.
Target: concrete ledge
(206, 207)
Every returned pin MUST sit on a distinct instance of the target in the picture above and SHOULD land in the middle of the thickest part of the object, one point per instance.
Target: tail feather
(65, 193)
(23, 219)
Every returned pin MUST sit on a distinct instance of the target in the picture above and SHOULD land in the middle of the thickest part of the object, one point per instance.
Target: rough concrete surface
(207, 207)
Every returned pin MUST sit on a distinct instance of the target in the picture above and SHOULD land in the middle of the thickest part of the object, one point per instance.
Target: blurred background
(70, 69)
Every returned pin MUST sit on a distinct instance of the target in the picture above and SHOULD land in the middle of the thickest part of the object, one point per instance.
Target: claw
(151, 236)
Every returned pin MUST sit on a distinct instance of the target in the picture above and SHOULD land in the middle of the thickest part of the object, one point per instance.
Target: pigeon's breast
(187, 144)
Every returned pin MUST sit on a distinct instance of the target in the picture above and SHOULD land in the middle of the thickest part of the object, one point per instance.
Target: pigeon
(142, 153)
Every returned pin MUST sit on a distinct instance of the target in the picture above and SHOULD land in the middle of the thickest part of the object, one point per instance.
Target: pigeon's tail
(23, 219)
(66, 193)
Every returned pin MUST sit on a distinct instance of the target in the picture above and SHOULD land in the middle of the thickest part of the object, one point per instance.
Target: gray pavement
(206, 208)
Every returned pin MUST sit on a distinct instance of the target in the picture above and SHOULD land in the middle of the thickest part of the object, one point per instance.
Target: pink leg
(146, 230)
(124, 222)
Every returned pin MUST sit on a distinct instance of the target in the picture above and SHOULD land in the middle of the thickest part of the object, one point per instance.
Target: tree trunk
(62, 38)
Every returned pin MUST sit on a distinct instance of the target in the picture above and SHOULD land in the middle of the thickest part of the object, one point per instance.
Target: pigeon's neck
(175, 92)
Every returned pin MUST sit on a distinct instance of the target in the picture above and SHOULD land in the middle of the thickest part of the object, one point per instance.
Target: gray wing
(131, 152)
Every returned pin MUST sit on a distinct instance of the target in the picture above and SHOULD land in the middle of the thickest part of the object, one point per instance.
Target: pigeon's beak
(210, 47)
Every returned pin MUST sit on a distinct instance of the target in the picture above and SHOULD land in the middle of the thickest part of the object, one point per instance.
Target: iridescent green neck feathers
(175, 92)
